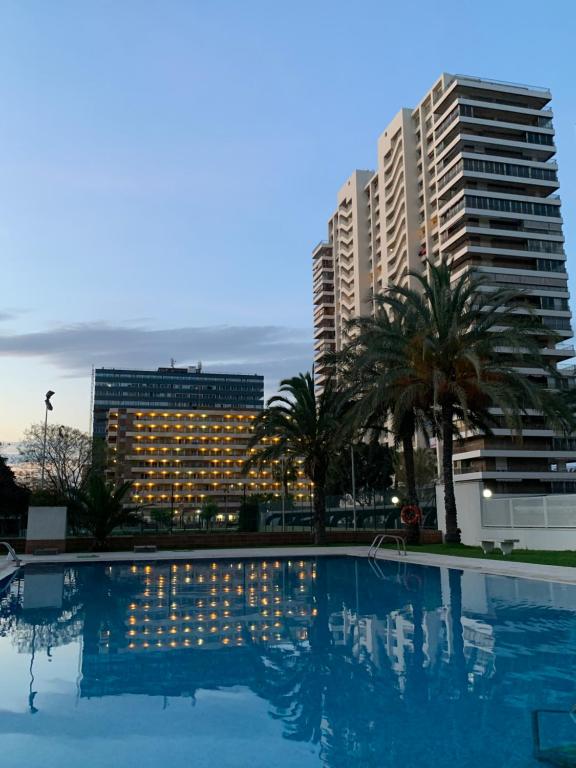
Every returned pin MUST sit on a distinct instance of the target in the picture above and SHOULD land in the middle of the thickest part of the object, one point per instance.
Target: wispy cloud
(275, 351)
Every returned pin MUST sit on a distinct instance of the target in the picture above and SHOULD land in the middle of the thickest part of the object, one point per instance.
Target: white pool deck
(556, 573)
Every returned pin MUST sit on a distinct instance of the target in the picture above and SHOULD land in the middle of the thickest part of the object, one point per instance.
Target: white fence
(530, 512)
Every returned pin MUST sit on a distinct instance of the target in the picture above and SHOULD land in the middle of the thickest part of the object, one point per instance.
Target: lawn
(544, 557)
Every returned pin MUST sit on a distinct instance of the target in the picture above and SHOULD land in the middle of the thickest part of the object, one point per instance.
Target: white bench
(506, 546)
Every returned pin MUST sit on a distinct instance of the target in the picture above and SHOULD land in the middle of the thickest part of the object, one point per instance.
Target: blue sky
(166, 168)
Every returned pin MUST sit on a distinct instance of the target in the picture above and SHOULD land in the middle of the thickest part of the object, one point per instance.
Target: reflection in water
(365, 665)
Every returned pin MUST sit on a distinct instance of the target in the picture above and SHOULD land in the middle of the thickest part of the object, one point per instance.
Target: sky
(166, 168)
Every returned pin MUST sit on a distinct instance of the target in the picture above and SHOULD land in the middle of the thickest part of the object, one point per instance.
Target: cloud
(274, 351)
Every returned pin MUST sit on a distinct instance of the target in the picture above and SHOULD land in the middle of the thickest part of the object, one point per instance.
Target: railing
(553, 511)
(379, 539)
(490, 81)
(11, 552)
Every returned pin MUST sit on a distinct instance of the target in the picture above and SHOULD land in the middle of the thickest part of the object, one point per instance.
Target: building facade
(469, 174)
(171, 388)
(179, 460)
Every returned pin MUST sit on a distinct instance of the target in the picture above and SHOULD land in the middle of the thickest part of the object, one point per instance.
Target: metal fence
(379, 512)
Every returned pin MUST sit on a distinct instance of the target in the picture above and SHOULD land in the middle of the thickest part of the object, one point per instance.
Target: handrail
(11, 552)
(378, 540)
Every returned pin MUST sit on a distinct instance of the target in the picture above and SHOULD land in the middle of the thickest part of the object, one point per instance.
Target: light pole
(283, 480)
(49, 407)
(353, 483)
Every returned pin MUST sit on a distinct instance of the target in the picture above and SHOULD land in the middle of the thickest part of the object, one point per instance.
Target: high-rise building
(179, 460)
(171, 388)
(468, 174)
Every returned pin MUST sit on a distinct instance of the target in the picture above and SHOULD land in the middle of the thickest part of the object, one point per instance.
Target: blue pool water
(282, 663)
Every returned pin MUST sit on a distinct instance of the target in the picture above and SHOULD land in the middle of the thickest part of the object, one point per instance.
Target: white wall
(46, 524)
(469, 502)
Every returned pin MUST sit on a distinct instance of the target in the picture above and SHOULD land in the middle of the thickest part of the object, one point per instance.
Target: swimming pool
(307, 662)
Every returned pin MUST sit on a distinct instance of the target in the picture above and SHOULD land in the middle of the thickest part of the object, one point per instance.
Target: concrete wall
(231, 539)
(469, 503)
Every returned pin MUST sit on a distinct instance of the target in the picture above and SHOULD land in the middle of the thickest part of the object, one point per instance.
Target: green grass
(543, 557)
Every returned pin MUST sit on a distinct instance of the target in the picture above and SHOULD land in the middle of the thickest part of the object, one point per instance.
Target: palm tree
(425, 468)
(285, 471)
(383, 362)
(100, 508)
(297, 425)
(470, 338)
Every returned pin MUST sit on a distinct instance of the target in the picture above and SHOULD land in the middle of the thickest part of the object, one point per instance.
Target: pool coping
(557, 573)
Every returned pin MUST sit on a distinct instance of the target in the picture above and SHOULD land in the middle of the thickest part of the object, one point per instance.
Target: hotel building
(469, 174)
(179, 460)
(171, 388)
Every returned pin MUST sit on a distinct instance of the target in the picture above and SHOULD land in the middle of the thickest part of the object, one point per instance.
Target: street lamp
(395, 500)
(49, 407)
(283, 480)
(353, 483)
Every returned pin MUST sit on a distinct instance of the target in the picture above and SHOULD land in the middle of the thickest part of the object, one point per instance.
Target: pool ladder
(11, 552)
(378, 541)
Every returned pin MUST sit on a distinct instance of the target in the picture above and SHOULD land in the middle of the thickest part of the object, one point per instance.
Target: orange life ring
(411, 514)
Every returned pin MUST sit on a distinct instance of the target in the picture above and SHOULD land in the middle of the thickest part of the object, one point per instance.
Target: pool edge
(556, 573)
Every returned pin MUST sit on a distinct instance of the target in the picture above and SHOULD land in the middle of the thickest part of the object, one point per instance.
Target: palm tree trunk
(452, 535)
(413, 531)
(319, 509)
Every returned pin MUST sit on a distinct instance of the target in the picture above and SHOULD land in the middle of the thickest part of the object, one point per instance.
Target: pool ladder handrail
(11, 552)
(379, 539)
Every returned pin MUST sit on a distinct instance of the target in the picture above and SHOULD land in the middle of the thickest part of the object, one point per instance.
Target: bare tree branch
(68, 457)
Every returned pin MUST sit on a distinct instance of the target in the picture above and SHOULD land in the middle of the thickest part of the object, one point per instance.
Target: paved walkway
(555, 573)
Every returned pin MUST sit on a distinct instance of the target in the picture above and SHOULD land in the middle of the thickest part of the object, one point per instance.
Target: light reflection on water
(278, 662)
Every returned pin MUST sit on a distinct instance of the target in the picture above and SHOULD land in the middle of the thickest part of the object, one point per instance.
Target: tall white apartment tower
(468, 174)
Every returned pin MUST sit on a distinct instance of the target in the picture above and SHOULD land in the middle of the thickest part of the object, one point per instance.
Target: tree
(248, 514)
(162, 517)
(381, 364)
(425, 468)
(68, 458)
(373, 468)
(297, 425)
(208, 513)
(285, 471)
(100, 508)
(469, 340)
(13, 501)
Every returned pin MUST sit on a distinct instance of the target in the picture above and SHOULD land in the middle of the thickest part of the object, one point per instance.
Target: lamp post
(283, 480)
(49, 407)
(353, 484)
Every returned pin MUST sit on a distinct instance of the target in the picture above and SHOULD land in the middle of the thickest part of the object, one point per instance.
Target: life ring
(411, 514)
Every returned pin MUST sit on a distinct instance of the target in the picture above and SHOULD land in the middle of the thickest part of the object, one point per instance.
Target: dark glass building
(171, 388)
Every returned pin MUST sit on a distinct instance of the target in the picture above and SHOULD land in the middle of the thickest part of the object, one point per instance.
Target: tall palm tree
(471, 339)
(382, 360)
(298, 425)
